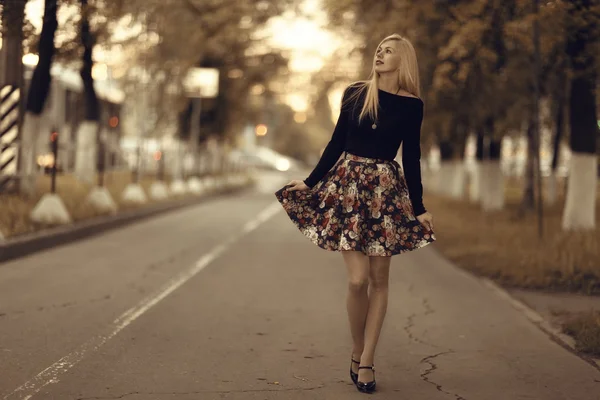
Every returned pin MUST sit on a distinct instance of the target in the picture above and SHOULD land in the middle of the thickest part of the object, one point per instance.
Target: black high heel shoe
(354, 375)
(367, 387)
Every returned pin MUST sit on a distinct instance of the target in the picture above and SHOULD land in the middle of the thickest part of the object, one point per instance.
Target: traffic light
(54, 141)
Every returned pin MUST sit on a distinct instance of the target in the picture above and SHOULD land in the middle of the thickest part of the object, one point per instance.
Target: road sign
(202, 82)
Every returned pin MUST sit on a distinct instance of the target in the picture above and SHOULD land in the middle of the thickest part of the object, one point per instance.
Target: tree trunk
(493, 198)
(87, 136)
(491, 177)
(36, 98)
(476, 174)
(459, 177)
(41, 79)
(580, 205)
(551, 194)
(452, 174)
(528, 201)
(444, 175)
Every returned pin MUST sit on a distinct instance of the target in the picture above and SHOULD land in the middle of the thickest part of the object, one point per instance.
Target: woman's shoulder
(410, 101)
(404, 102)
(404, 94)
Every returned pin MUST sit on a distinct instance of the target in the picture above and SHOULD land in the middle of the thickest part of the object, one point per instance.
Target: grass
(505, 247)
(585, 328)
(15, 210)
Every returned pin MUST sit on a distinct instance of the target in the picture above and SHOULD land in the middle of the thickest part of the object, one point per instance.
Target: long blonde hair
(408, 78)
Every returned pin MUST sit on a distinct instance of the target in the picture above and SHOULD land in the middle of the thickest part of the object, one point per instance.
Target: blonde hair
(408, 78)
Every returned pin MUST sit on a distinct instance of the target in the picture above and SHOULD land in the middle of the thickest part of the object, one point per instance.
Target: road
(227, 300)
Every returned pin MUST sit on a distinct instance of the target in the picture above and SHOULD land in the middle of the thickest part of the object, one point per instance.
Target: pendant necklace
(374, 126)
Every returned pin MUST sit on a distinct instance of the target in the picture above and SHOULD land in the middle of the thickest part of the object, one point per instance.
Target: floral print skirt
(361, 204)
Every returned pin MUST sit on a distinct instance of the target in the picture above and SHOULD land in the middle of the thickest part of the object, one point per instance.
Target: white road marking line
(53, 372)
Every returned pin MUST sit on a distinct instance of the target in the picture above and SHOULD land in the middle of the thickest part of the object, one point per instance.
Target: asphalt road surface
(227, 300)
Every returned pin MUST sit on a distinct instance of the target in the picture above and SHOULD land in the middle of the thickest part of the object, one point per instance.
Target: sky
(310, 44)
(306, 36)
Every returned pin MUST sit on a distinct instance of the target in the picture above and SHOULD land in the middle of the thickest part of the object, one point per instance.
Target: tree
(87, 134)
(36, 98)
(582, 41)
(176, 37)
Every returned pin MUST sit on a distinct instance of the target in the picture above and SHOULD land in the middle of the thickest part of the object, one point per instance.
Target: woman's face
(387, 57)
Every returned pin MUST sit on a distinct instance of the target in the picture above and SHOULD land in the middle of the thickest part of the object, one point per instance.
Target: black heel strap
(371, 367)
(354, 361)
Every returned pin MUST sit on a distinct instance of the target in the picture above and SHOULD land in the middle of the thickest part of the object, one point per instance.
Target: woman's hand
(426, 219)
(297, 185)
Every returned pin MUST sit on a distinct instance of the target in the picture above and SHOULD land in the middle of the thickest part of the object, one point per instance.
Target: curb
(28, 244)
(533, 316)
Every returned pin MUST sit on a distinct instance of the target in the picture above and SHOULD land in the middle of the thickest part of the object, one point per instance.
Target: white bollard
(101, 200)
(134, 193)
(178, 187)
(158, 191)
(50, 210)
(194, 185)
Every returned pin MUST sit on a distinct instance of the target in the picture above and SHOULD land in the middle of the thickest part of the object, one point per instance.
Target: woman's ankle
(366, 360)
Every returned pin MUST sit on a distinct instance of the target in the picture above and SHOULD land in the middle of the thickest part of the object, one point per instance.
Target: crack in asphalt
(409, 325)
(428, 309)
(200, 392)
(432, 368)
(410, 322)
(429, 359)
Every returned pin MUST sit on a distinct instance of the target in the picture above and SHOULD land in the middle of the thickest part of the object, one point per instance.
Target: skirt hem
(387, 253)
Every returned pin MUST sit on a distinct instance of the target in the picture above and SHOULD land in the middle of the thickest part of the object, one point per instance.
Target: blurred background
(113, 105)
(262, 82)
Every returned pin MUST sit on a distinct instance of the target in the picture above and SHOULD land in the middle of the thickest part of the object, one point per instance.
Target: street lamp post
(195, 131)
(199, 83)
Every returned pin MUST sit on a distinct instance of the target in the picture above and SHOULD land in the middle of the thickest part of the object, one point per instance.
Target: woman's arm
(334, 148)
(411, 162)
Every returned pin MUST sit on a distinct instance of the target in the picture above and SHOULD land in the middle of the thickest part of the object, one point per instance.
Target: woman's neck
(389, 82)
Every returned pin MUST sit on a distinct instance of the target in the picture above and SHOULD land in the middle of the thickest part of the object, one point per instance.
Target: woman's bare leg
(357, 300)
(379, 273)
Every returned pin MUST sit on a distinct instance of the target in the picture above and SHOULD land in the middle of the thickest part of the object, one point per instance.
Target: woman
(363, 204)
